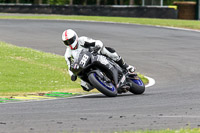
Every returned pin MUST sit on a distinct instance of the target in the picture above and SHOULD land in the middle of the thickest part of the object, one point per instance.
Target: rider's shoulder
(81, 40)
(84, 38)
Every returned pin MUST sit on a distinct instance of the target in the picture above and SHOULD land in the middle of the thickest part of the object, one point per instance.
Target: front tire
(137, 86)
(107, 89)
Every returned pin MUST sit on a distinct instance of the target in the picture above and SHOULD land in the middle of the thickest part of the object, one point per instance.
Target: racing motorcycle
(105, 75)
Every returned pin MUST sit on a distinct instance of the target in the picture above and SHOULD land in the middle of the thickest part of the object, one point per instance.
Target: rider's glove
(131, 69)
(73, 77)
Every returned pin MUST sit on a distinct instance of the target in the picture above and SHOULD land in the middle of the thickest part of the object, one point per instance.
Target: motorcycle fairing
(104, 63)
(87, 60)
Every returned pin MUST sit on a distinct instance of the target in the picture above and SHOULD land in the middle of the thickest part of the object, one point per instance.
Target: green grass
(24, 71)
(190, 24)
(144, 79)
(184, 130)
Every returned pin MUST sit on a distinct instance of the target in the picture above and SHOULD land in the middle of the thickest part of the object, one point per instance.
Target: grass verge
(190, 24)
(184, 130)
(24, 71)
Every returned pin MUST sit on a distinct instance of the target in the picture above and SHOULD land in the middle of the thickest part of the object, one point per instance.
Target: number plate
(84, 60)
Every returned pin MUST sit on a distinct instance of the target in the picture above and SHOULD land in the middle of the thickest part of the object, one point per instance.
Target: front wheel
(137, 86)
(107, 89)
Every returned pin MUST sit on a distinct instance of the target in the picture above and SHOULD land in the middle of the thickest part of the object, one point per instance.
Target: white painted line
(169, 116)
(28, 101)
(85, 95)
(181, 116)
(158, 26)
(151, 81)
(176, 28)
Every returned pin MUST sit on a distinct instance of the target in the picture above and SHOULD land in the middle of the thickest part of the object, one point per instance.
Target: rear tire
(107, 89)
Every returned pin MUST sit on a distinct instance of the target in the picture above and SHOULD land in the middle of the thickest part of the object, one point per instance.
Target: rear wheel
(104, 87)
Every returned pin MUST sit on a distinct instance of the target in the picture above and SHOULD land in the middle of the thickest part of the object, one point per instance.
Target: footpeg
(123, 89)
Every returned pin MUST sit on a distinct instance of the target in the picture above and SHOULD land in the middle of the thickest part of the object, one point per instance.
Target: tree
(131, 2)
(59, 2)
(121, 2)
(37, 2)
(85, 2)
(70, 2)
(98, 2)
(115, 2)
(105, 2)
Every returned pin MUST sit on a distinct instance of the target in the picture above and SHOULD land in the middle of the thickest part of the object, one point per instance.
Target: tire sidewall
(135, 88)
(93, 80)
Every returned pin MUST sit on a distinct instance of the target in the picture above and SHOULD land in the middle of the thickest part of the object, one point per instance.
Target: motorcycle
(105, 75)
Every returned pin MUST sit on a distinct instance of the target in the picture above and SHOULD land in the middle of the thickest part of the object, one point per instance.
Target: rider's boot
(123, 65)
(111, 53)
(124, 88)
(86, 86)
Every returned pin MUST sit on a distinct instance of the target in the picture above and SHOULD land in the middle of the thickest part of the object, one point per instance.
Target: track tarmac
(170, 56)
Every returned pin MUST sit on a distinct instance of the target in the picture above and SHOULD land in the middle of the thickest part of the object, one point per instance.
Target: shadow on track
(103, 96)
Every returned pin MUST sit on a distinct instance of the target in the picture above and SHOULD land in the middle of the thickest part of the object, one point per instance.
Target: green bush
(170, 2)
(58, 2)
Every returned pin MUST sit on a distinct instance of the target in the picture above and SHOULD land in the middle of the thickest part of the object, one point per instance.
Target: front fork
(124, 86)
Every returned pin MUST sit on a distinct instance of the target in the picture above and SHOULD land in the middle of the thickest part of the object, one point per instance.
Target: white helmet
(70, 38)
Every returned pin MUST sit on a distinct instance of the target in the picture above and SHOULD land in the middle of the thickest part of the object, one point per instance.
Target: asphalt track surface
(169, 56)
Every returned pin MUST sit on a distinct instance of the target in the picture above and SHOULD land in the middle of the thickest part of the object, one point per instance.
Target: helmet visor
(70, 41)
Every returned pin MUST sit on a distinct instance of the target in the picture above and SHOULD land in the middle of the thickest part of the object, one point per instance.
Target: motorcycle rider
(75, 44)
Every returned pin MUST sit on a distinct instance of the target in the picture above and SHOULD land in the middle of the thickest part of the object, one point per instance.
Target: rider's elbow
(99, 43)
